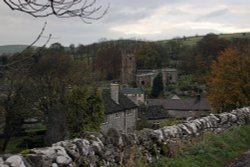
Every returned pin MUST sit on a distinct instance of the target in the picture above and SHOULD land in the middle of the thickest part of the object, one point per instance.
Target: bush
(141, 124)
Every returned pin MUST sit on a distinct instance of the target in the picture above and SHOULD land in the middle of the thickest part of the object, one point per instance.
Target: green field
(192, 40)
(10, 49)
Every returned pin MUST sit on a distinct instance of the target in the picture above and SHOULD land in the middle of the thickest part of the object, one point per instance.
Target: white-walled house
(120, 111)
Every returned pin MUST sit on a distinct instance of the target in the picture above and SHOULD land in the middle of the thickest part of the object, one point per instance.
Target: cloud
(214, 14)
(148, 19)
(127, 15)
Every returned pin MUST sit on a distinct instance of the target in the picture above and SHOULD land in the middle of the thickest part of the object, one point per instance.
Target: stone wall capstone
(96, 149)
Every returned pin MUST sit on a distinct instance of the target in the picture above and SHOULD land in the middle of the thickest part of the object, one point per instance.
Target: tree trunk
(55, 125)
(5, 143)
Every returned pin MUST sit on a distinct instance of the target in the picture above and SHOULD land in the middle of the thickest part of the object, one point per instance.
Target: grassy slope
(10, 49)
(192, 40)
(211, 150)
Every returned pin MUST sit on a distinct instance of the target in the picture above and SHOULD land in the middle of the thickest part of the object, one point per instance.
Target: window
(117, 115)
(129, 113)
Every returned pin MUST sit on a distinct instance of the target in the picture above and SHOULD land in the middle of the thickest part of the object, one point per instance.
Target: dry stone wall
(116, 149)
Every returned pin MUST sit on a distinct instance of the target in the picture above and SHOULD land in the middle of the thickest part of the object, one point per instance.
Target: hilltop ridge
(186, 40)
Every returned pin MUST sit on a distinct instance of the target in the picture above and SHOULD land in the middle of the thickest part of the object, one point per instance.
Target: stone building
(120, 111)
(144, 78)
(169, 75)
(128, 68)
(183, 108)
(135, 94)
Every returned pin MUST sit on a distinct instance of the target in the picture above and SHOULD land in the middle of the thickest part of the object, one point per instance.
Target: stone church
(128, 69)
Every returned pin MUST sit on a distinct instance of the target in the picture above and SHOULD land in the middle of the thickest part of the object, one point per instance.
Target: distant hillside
(192, 40)
(129, 44)
(10, 49)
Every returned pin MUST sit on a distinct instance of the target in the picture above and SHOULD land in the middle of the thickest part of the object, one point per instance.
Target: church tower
(128, 67)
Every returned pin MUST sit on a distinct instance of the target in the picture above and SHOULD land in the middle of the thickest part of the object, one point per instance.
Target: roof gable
(111, 107)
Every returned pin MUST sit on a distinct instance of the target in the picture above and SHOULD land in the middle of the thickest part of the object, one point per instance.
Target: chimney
(114, 88)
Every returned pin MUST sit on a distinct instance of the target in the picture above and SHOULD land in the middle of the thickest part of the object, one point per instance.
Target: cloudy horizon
(149, 20)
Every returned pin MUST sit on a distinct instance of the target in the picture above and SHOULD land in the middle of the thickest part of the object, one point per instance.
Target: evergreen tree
(157, 86)
(85, 110)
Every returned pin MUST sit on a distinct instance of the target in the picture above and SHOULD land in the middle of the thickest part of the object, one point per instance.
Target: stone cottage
(120, 111)
(183, 108)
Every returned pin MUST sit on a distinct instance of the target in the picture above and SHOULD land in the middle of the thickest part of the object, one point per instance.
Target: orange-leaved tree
(229, 83)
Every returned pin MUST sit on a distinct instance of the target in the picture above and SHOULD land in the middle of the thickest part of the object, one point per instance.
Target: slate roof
(152, 113)
(194, 104)
(112, 107)
(132, 91)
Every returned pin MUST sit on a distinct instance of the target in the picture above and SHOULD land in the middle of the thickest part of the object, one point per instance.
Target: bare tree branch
(84, 9)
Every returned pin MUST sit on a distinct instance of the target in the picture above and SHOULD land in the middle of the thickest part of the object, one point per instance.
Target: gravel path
(242, 161)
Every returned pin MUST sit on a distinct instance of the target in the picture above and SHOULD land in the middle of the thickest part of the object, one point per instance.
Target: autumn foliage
(229, 83)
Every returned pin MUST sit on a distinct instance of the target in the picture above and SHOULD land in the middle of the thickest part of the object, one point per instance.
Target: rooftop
(112, 107)
(132, 91)
(152, 113)
(182, 104)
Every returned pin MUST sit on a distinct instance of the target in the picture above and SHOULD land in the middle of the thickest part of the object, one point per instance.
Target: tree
(197, 60)
(149, 56)
(212, 45)
(85, 110)
(84, 10)
(157, 86)
(174, 48)
(16, 107)
(108, 61)
(51, 76)
(208, 49)
(39, 82)
(229, 83)
(16, 98)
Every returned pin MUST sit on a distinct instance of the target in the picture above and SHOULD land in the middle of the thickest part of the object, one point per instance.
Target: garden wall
(120, 149)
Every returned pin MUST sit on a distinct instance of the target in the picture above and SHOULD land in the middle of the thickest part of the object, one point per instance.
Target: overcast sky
(143, 19)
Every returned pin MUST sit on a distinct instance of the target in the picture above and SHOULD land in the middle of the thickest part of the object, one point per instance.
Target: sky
(130, 19)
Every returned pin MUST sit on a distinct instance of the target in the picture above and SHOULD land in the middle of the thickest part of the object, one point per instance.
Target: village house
(120, 111)
(135, 94)
(157, 111)
(183, 108)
